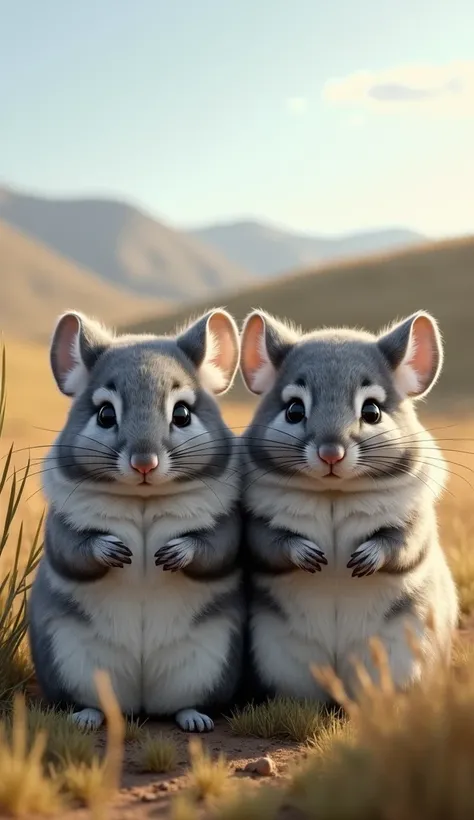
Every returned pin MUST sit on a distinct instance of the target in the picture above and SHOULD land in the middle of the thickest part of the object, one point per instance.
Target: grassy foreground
(391, 757)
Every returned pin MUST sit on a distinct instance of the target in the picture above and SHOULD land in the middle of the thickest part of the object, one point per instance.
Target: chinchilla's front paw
(110, 551)
(367, 559)
(176, 554)
(306, 554)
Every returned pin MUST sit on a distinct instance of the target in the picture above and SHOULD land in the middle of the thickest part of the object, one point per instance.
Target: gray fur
(141, 572)
(341, 550)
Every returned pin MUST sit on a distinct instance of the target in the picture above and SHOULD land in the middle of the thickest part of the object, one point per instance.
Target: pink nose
(144, 463)
(331, 453)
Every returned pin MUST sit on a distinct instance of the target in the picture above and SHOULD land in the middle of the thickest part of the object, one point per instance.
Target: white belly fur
(330, 615)
(141, 626)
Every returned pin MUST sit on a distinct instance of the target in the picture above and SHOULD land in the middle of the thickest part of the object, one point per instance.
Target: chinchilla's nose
(331, 452)
(144, 462)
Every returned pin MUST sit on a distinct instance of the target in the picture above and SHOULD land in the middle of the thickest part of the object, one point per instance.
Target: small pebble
(264, 766)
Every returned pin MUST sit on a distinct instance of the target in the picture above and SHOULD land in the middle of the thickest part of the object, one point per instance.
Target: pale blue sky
(184, 107)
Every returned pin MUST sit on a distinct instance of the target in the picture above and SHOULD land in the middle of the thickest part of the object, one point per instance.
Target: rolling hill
(123, 246)
(36, 284)
(370, 292)
(267, 251)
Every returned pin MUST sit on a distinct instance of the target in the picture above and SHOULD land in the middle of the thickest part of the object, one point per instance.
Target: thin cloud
(444, 90)
(297, 105)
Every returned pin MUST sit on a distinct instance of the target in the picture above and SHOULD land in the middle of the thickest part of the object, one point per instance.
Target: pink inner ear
(253, 345)
(64, 342)
(225, 355)
(424, 357)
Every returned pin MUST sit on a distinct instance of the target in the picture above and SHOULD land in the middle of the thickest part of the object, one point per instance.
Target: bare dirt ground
(149, 796)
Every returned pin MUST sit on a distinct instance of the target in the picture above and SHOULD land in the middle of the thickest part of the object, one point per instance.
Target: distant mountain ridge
(123, 246)
(37, 284)
(266, 250)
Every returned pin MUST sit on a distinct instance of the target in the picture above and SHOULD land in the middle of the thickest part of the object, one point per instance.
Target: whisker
(297, 467)
(54, 467)
(412, 432)
(427, 458)
(239, 438)
(436, 464)
(420, 445)
(50, 446)
(82, 435)
(408, 473)
(95, 473)
(79, 459)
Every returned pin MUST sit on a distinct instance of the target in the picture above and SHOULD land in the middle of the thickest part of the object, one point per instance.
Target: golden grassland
(389, 758)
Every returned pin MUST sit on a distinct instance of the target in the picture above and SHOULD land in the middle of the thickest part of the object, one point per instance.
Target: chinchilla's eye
(371, 412)
(181, 415)
(106, 416)
(295, 411)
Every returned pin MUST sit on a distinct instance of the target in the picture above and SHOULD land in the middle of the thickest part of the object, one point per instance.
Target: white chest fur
(337, 523)
(329, 615)
(141, 619)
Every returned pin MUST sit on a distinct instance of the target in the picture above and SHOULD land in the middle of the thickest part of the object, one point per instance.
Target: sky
(320, 117)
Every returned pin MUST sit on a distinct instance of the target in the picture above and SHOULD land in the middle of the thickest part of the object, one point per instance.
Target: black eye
(371, 412)
(106, 416)
(295, 411)
(181, 415)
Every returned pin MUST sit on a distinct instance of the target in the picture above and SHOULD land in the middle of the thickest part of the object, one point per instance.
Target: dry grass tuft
(338, 730)
(111, 767)
(134, 729)
(24, 785)
(414, 755)
(156, 753)
(286, 718)
(82, 782)
(65, 742)
(15, 581)
(43, 754)
(209, 778)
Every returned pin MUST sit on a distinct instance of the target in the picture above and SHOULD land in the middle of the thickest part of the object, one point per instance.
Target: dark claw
(362, 571)
(311, 568)
(167, 564)
(118, 557)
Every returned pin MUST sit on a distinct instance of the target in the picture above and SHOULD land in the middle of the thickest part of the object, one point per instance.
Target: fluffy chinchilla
(141, 573)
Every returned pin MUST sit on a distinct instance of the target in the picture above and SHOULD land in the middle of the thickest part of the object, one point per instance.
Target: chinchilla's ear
(414, 350)
(212, 344)
(76, 345)
(266, 341)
